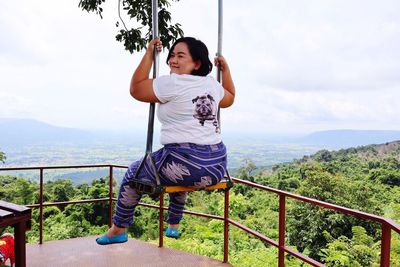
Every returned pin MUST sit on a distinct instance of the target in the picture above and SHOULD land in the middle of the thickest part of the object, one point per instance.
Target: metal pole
(110, 196)
(151, 120)
(219, 51)
(155, 35)
(41, 207)
(220, 28)
(281, 241)
(150, 127)
(226, 226)
(161, 222)
(385, 245)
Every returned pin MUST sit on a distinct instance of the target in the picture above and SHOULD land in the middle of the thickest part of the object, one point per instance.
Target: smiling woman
(193, 153)
(187, 56)
(192, 53)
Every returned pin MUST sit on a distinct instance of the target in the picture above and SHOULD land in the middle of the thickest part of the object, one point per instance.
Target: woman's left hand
(221, 63)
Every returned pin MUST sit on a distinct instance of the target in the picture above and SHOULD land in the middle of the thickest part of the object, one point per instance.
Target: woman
(193, 152)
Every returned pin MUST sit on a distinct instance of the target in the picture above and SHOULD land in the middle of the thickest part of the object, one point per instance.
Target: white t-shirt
(188, 108)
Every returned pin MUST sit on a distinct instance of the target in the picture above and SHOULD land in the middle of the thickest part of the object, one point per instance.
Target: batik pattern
(178, 164)
(175, 172)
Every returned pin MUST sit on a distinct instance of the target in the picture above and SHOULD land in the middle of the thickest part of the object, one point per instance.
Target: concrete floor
(86, 253)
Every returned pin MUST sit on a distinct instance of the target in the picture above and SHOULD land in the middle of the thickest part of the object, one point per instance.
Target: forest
(365, 178)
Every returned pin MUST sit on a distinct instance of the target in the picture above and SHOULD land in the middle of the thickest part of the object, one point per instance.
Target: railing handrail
(62, 167)
(394, 225)
(387, 224)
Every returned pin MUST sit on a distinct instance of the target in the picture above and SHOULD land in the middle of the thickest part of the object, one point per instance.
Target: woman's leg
(175, 208)
(128, 199)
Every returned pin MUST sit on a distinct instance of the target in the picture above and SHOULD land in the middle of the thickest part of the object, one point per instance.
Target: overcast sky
(298, 65)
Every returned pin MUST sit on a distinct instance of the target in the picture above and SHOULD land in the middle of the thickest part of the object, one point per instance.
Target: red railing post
(161, 222)
(385, 245)
(226, 225)
(110, 201)
(281, 242)
(41, 207)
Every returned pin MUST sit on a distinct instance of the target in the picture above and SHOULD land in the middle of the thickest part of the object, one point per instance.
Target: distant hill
(349, 138)
(19, 132)
(366, 153)
(25, 131)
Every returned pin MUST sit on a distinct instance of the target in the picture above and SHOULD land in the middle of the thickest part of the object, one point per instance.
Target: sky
(298, 65)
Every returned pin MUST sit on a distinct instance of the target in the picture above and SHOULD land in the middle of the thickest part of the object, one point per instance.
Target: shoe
(172, 232)
(105, 240)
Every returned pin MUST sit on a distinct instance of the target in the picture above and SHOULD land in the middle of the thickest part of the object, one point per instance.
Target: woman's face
(180, 61)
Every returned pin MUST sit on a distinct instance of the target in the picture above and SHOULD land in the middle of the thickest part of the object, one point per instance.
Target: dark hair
(199, 52)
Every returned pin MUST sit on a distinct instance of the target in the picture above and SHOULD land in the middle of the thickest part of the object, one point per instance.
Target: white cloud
(297, 65)
(319, 45)
(15, 106)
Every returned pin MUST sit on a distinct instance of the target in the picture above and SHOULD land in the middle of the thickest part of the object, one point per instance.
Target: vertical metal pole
(110, 197)
(150, 127)
(149, 148)
(219, 50)
(41, 207)
(226, 226)
(161, 223)
(220, 28)
(281, 241)
(385, 245)
(155, 35)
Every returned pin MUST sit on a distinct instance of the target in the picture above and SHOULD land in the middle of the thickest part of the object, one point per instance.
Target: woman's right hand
(141, 85)
(154, 44)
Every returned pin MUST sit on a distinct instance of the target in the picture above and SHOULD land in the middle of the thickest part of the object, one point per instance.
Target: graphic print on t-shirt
(205, 109)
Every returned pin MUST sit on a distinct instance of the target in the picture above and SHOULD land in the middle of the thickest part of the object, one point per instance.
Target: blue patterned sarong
(184, 164)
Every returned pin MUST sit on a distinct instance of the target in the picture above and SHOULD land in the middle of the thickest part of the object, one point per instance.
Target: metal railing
(387, 225)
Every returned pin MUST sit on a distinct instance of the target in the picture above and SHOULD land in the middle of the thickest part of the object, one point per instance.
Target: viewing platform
(84, 252)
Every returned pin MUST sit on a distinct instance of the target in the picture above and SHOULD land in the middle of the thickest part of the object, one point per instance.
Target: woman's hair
(199, 52)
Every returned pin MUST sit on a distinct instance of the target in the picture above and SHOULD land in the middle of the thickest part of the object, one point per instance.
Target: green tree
(2, 156)
(359, 251)
(17, 190)
(385, 176)
(136, 38)
(98, 213)
(61, 190)
(307, 223)
(246, 170)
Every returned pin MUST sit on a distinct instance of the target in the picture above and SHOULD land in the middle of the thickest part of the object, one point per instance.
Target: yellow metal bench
(223, 184)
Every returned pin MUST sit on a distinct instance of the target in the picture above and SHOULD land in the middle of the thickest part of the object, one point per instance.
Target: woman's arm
(141, 85)
(227, 83)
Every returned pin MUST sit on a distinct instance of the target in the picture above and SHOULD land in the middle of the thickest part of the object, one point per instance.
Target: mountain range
(19, 132)
(350, 138)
